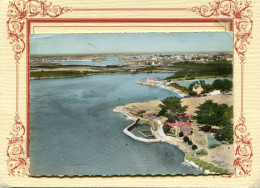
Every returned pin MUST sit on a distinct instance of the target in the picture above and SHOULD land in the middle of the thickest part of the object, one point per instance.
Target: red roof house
(180, 126)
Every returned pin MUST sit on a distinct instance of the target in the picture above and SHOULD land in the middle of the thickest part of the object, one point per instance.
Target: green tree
(171, 107)
(206, 114)
(210, 113)
(192, 93)
(226, 133)
(223, 85)
(207, 88)
(224, 115)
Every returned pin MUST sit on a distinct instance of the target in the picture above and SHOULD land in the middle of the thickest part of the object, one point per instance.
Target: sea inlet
(73, 130)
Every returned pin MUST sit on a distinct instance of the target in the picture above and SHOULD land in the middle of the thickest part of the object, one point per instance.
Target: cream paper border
(8, 90)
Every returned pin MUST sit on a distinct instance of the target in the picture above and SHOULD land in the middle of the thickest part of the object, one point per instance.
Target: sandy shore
(192, 102)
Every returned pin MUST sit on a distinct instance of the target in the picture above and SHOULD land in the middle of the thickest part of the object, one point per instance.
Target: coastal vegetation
(56, 66)
(147, 69)
(202, 152)
(64, 74)
(204, 165)
(194, 147)
(191, 70)
(171, 107)
(179, 87)
(224, 85)
(214, 114)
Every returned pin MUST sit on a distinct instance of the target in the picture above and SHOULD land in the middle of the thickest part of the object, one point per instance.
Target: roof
(170, 124)
(181, 123)
(183, 115)
(196, 86)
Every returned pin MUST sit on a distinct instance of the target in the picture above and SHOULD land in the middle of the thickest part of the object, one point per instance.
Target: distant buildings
(150, 79)
(170, 59)
(215, 92)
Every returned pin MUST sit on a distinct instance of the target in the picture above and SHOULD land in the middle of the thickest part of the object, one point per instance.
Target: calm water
(74, 131)
(108, 60)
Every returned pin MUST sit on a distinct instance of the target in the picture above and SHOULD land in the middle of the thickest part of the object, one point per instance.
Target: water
(108, 60)
(73, 130)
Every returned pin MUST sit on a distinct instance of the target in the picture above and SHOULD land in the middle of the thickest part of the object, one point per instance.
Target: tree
(207, 88)
(192, 93)
(171, 107)
(224, 115)
(210, 113)
(194, 147)
(186, 139)
(226, 133)
(223, 85)
(206, 113)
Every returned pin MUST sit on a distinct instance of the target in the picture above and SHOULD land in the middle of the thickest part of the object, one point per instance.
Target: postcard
(131, 103)
(151, 94)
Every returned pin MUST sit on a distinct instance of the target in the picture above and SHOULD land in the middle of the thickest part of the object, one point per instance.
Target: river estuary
(73, 130)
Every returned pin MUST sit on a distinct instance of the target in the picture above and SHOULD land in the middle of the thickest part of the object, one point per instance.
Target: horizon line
(134, 53)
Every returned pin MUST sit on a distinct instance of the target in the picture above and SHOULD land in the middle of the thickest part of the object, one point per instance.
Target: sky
(51, 44)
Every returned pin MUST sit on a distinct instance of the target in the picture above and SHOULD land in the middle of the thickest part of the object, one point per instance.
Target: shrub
(204, 165)
(181, 134)
(202, 152)
(192, 93)
(190, 142)
(194, 147)
(212, 142)
(179, 87)
(186, 139)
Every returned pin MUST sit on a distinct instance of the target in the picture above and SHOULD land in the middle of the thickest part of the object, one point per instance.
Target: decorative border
(240, 11)
(18, 12)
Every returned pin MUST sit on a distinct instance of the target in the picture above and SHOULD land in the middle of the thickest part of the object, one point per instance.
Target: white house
(215, 92)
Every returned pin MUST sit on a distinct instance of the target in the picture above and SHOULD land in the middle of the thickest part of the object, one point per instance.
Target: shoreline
(221, 157)
(162, 85)
(94, 73)
(159, 137)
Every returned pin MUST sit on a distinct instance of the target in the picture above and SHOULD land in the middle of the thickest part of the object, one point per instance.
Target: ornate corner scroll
(18, 164)
(18, 12)
(241, 13)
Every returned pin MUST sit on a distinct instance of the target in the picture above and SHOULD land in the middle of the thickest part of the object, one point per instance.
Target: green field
(191, 70)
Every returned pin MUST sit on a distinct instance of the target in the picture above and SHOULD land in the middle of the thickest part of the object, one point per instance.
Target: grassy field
(190, 70)
(63, 74)
(57, 66)
(204, 165)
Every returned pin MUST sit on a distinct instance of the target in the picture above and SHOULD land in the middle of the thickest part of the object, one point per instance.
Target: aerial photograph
(105, 104)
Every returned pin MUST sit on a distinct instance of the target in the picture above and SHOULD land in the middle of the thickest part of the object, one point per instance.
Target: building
(150, 79)
(184, 117)
(180, 126)
(197, 88)
(215, 92)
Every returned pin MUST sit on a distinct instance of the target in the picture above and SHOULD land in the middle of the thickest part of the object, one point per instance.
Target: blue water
(73, 130)
(108, 60)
